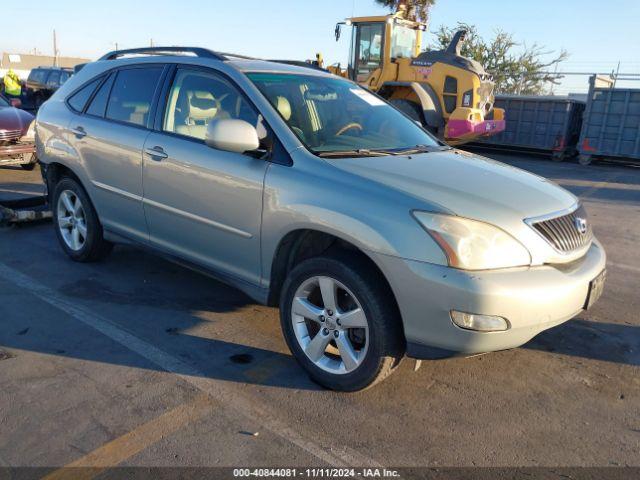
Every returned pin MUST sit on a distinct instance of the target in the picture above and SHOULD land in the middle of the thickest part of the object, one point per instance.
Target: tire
(585, 159)
(558, 156)
(28, 166)
(91, 245)
(413, 111)
(376, 349)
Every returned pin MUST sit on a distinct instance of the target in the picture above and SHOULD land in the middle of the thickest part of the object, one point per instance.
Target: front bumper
(16, 152)
(533, 299)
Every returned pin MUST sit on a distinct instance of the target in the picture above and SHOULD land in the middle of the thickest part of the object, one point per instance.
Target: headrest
(284, 107)
(202, 105)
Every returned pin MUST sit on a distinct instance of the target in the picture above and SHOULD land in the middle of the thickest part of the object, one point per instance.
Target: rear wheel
(76, 222)
(340, 323)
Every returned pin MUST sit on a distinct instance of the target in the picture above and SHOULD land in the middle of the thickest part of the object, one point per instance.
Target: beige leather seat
(202, 109)
(284, 107)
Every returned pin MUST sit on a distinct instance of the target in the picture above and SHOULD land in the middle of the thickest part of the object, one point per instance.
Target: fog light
(481, 323)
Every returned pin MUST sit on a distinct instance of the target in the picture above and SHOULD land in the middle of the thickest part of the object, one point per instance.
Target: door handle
(79, 132)
(156, 153)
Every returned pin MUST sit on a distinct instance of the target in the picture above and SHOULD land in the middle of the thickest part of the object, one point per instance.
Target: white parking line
(339, 456)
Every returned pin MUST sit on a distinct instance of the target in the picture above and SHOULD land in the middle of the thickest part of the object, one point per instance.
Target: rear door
(109, 136)
(203, 204)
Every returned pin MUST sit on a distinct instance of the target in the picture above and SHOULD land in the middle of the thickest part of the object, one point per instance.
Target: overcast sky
(597, 34)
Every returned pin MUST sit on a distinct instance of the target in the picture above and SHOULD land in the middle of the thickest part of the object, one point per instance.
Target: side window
(450, 92)
(99, 103)
(64, 76)
(198, 98)
(132, 94)
(78, 100)
(53, 80)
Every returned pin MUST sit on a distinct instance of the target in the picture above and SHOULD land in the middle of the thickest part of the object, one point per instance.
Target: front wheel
(341, 323)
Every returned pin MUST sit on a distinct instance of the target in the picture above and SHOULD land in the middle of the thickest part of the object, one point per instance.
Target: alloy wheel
(71, 220)
(330, 325)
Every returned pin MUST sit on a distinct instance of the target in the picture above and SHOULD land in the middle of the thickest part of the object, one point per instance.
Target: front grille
(563, 232)
(7, 135)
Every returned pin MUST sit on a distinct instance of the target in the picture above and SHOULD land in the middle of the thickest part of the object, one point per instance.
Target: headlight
(472, 245)
(31, 132)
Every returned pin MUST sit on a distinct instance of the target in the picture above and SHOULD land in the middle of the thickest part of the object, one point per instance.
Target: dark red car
(17, 142)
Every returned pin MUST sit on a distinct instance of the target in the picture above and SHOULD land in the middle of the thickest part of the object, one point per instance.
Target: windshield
(329, 114)
(403, 42)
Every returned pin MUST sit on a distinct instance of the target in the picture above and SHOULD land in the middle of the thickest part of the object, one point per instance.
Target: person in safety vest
(12, 85)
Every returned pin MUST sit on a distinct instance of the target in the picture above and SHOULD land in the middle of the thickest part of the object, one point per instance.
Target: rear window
(131, 95)
(38, 75)
(78, 100)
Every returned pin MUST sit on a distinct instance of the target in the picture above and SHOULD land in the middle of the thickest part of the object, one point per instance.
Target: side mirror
(232, 136)
(16, 102)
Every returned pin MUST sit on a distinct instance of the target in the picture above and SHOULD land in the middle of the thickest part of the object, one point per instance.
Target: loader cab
(376, 41)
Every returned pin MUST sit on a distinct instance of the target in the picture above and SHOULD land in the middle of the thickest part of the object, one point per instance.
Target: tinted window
(198, 98)
(132, 93)
(3, 102)
(99, 103)
(78, 100)
(53, 80)
(37, 75)
(64, 76)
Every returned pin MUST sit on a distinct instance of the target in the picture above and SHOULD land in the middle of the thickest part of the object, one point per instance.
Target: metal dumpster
(539, 124)
(611, 125)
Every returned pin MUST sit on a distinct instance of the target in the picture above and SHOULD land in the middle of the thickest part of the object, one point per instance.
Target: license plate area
(596, 287)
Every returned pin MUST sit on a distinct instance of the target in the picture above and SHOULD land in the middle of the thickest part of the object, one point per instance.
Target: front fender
(314, 195)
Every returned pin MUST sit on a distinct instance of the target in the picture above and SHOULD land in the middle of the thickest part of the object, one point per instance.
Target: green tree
(420, 7)
(516, 68)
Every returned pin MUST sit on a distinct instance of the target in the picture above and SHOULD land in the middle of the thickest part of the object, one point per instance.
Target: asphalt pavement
(136, 361)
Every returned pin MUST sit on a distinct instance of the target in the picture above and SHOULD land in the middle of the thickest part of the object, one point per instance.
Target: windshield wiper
(422, 149)
(360, 152)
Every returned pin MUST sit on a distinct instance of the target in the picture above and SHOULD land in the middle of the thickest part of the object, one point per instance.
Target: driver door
(368, 50)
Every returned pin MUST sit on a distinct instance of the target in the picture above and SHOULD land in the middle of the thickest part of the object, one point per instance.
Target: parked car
(17, 145)
(43, 81)
(309, 192)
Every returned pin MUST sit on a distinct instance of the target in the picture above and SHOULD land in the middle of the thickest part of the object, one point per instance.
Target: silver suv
(306, 191)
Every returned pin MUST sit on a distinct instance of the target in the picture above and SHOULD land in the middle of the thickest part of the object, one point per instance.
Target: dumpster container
(539, 124)
(611, 125)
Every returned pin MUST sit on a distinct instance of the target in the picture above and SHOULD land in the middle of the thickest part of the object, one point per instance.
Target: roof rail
(197, 51)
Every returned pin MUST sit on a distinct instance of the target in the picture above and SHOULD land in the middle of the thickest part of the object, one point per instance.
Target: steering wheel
(349, 126)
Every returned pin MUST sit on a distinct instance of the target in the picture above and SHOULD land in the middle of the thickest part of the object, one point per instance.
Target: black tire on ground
(558, 156)
(413, 111)
(95, 246)
(386, 346)
(28, 166)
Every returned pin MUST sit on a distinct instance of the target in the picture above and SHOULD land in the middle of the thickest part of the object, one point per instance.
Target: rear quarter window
(79, 100)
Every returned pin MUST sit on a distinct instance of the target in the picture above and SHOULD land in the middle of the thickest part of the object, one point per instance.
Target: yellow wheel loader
(450, 95)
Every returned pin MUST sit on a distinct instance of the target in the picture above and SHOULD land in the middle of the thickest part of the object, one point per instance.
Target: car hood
(465, 184)
(15, 119)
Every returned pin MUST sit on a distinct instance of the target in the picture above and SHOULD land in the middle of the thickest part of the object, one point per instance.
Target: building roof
(25, 61)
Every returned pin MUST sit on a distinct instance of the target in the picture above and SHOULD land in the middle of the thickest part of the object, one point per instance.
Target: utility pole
(151, 42)
(55, 49)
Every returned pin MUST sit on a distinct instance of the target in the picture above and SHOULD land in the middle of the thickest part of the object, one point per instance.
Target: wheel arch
(426, 96)
(304, 243)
